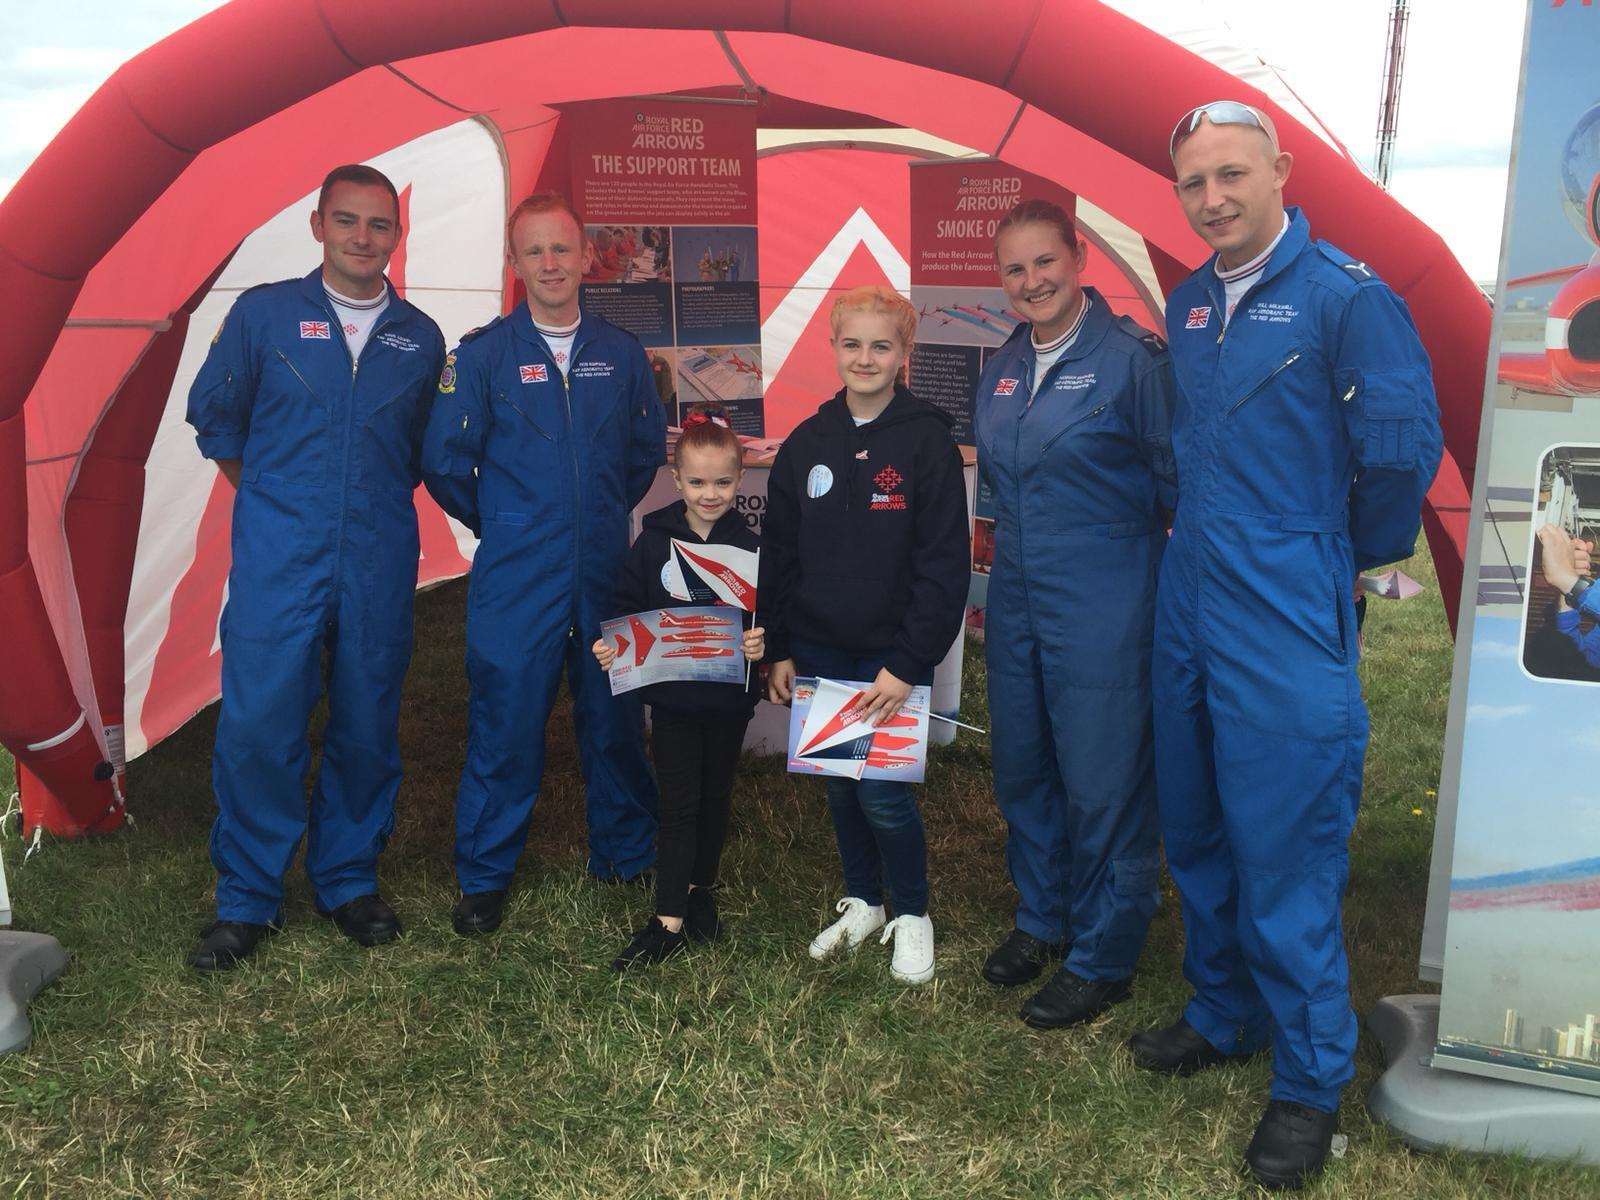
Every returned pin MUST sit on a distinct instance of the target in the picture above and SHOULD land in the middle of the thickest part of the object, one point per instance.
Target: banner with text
(964, 314)
(668, 191)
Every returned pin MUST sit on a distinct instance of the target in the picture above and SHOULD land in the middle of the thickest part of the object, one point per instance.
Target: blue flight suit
(1080, 466)
(546, 471)
(1306, 438)
(1568, 622)
(324, 557)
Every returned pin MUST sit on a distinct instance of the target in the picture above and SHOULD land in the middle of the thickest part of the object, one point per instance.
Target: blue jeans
(877, 823)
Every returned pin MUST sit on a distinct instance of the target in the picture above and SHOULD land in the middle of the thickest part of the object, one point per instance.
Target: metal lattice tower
(1393, 68)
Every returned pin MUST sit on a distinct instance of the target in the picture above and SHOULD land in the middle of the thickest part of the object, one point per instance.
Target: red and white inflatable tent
(187, 177)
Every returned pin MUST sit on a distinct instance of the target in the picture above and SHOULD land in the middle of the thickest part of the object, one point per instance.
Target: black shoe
(702, 923)
(650, 944)
(1070, 999)
(224, 945)
(1291, 1144)
(1019, 958)
(478, 912)
(366, 920)
(1179, 1049)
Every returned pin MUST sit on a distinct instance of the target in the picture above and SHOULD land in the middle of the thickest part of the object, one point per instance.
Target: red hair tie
(700, 417)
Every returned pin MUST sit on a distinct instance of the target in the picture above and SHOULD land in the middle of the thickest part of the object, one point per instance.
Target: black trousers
(696, 758)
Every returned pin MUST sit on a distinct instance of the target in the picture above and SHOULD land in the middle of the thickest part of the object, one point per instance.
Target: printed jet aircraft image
(697, 635)
(1570, 362)
(672, 620)
(699, 652)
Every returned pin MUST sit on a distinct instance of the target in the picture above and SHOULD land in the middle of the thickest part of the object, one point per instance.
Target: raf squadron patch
(447, 377)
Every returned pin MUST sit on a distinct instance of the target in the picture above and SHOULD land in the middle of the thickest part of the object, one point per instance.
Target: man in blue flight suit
(1306, 437)
(1073, 418)
(312, 400)
(546, 432)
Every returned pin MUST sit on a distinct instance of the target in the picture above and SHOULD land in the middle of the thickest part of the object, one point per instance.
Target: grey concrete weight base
(1435, 1109)
(28, 963)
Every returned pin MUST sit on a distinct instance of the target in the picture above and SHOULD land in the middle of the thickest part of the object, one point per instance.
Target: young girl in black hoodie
(697, 729)
(864, 576)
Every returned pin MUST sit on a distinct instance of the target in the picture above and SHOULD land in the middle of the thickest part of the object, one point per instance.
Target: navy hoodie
(640, 590)
(865, 540)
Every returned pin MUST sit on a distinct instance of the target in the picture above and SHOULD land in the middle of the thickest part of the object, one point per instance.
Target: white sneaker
(850, 930)
(913, 948)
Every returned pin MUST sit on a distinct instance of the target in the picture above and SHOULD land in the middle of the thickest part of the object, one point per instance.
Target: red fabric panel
(560, 67)
(1169, 271)
(949, 106)
(376, 31)
(965, 38)
(441, 553)
(36, 306)
(223, 72)
(13, 497)
(82, 804)
(86, 187)
(102, 513)
(85, 369)
(36, 698)
(673, 14)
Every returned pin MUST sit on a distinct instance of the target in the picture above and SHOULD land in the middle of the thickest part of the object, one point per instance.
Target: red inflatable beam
(241, 63)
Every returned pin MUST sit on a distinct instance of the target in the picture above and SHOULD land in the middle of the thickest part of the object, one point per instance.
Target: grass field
(519, 1065)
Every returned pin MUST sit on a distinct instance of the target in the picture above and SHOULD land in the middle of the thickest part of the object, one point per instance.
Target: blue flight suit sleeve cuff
(221, 445)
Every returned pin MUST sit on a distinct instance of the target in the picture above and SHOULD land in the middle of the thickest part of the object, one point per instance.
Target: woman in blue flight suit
(1073, 416)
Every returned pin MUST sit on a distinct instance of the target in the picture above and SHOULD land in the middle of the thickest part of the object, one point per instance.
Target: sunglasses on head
(1220, 112)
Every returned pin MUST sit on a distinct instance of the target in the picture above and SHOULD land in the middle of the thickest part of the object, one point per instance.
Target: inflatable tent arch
(191, 144)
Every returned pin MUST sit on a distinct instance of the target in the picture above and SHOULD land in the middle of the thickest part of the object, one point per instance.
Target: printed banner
(666, 645)
(955, 284)
(824, 740)
(955, 209)
(668, 188)
(1520, 999)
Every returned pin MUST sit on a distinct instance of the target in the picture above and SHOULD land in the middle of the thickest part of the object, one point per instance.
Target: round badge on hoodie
(819, 481)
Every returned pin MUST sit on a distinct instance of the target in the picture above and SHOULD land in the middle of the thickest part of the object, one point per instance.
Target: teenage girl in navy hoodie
(864, 575)
(697, 729)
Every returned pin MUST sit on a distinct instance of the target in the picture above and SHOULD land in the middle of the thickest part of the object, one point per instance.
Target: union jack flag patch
(1199, 318)
(1005, 387)
(315, 329)
(537, 373)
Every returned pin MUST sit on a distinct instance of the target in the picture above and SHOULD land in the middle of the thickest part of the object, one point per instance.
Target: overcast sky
(1450, 161)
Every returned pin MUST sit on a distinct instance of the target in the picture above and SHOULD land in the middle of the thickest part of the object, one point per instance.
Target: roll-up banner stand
(964, 314)
(1514, 897)
(667, 188)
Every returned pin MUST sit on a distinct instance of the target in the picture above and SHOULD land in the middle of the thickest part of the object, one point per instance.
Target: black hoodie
(640, 590)
(865, 539)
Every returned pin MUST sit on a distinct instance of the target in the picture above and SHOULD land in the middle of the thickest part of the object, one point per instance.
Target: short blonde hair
(885, 301)
(541, 202)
